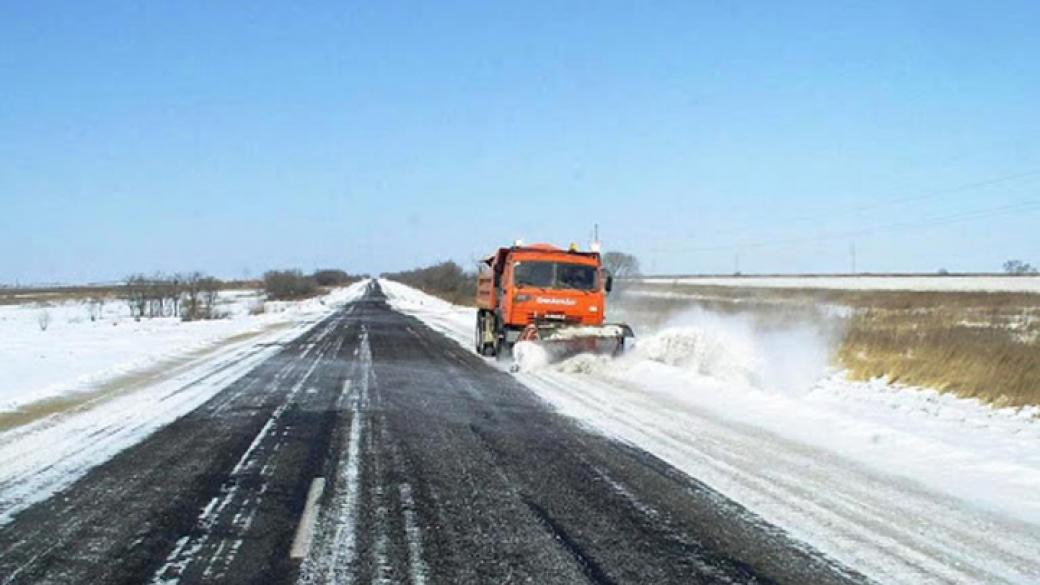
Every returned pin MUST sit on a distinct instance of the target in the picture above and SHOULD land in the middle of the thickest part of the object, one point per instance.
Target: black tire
(484, 349)
(503, 349)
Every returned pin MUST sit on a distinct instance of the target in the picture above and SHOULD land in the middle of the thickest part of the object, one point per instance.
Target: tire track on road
(122, 519)
(220, 548)
(578, 499)
(438, 468)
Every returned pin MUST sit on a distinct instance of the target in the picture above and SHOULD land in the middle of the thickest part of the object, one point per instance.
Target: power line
(961, 188)
(1022, 207)
(950, 190)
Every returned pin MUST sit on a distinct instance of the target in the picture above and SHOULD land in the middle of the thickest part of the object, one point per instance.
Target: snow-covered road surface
(439, 468)
(904, 485)
(45, 446)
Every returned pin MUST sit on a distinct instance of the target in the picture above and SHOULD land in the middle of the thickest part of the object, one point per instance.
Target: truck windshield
(555, 275)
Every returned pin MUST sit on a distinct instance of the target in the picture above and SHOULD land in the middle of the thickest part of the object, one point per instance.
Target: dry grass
(986, 354)
(978, 345)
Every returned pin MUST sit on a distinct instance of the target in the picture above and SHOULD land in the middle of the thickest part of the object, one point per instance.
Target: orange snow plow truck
(553, 297)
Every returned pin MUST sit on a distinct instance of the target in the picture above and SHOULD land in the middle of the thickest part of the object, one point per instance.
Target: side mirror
(609, 284)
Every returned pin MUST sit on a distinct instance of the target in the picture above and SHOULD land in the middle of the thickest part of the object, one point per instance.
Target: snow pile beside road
(906, 485)
(46, 445)
(778, 379)
(75, 354)
(987, 456)
(697, 351)
(455, 322)
(725, 348)
(530, 356)
(855, 469)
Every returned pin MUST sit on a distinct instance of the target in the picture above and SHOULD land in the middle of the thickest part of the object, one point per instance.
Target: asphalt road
(438, 468)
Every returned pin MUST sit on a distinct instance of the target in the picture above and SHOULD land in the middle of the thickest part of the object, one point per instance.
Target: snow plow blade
(562, 341)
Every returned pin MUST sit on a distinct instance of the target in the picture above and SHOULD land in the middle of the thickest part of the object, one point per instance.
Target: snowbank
(904, 484)
(75, 354)
(45, 453)
(455, 322)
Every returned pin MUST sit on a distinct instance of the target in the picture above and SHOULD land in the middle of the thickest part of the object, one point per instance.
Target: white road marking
(416, 566)
(332, 560)
(346, 537)
(305, 531)
(183, 554)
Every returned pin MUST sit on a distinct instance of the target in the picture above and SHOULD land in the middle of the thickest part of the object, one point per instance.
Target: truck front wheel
(485, 331)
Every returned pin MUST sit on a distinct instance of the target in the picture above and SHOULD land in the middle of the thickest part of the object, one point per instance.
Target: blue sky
(234, 138)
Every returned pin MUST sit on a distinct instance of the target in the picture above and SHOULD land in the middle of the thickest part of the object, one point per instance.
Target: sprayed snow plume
(905, 485)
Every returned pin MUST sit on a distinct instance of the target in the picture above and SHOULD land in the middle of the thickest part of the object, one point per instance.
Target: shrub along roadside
(333, 277)
(446, 280)
(282, 285)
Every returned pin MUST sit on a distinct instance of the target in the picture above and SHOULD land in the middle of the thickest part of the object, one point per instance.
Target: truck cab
(534, 285)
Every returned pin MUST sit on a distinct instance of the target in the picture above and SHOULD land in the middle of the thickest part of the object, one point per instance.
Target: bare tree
(188, 296)
(191, 305)
(198, 296)
(135, 294)
(621, 265)
(1018, 268)
(156, 299)
(174, 286)
(288, 284)
(96, 307)
(209, 289)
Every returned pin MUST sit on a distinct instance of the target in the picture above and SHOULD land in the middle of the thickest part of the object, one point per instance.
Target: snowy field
(75, 354)
(1021, 284)
(903, 484)
(80, 392)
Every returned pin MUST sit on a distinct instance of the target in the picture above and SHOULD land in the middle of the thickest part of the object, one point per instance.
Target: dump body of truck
(538, 292)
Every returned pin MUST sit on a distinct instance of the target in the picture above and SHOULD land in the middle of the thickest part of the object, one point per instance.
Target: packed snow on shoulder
(905, 485)
(50, 350)
(455, 322)
(170, 367)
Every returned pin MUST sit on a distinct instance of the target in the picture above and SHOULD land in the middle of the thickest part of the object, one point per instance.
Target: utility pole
(852, 255)
(736, 263)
